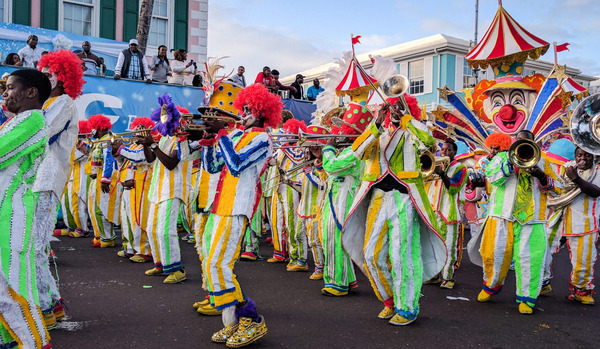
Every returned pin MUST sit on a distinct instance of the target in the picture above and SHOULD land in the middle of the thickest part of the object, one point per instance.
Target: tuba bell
(395, 86)
(585, 124)
(524, 154)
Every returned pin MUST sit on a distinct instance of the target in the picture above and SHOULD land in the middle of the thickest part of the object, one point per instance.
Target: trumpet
(429, 162)
(125, 137)
(524, 154)
(313, 137)
(196, 122)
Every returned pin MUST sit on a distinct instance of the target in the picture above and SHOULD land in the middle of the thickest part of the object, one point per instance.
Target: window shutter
(180, 25)
(428, 74)
(108, 13)
(458, 73)
(49, 19)
(130, 19)
(404, 69)
(21, 12)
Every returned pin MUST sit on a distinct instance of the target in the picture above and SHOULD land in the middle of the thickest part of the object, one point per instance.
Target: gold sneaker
(386, 313)
(483, 296)
(586, 299)
(209, 310)
(275, 260)
(317, 275)
(154, 271)
(546, 289)
(525, 309)
(197, 305)
(175, 277)
(248, 332)
(105, 244)
(222, 335)
(400, 320)
(447, 284)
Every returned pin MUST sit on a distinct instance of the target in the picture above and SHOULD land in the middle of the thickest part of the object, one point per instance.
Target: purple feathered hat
(166, 117)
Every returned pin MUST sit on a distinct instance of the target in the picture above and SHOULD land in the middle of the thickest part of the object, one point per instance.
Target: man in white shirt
(239, 78)
(132, 64)
(31, 54)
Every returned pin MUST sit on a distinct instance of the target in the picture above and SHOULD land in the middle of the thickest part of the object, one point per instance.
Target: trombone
(285, 175)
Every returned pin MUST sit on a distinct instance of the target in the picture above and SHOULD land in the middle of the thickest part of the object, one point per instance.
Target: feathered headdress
(84, 127)
(264, 104)
(67, 66)
(209, 76)
(294, 126)
(99, 122)
(166, 117)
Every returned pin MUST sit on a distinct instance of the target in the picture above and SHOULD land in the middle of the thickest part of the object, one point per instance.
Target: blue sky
(292, 35)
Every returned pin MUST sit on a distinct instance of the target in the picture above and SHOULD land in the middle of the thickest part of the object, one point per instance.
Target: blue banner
(124, 100)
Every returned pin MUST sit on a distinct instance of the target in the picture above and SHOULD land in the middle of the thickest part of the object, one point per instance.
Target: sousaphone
(585, 124)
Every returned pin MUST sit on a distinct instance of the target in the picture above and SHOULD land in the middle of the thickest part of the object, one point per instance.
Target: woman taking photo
(181, 69)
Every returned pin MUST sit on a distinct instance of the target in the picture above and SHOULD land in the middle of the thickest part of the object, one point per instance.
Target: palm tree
(143, 27)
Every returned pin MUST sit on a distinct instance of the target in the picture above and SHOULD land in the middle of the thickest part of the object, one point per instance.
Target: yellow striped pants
(222, 242)
(583, 255)
(162, 231)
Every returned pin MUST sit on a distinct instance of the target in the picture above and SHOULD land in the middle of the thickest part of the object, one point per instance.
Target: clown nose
(507, 112)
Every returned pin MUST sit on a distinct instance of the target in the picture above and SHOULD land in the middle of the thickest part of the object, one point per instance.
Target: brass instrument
(125, 137)
(524, 154)
(196, 122)
(585, 130)
(289, 173)
(313, 137)
(429, 162)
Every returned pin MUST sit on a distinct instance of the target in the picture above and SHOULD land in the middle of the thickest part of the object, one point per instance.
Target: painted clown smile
(511, 124)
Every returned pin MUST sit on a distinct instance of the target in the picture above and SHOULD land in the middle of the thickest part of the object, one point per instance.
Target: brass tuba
(524, 154)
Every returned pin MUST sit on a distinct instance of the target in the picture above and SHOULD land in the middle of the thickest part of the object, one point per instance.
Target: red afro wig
(99, 122)
(498, 139)
(264, 104)
(67, 67)
(84, 127)
(182, 110)
(294, 126)
(412, 103)
(146, 122)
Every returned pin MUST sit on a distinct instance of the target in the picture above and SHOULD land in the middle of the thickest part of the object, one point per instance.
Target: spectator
(160, 65)
(197, 82)
(31, 54)
(266, 79)
(239, 78)
(180, 69)
(314, 90)
(278, 85)
(299, 93)
(90, 61)
(131, 64)
(13, 59)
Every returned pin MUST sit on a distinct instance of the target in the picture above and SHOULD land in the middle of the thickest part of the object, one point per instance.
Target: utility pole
(143, 27)
(476, 71)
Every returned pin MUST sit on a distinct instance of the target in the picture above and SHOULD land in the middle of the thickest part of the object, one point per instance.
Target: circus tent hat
(356, 83)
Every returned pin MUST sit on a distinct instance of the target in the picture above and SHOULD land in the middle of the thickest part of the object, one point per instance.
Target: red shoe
(250, 256)
(269, 240)
(96, 242)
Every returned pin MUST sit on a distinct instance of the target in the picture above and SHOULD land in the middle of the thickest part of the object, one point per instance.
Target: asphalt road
(111, 306)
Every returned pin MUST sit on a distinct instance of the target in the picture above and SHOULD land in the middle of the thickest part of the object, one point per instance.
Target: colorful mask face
(509, 108)
(53, 77)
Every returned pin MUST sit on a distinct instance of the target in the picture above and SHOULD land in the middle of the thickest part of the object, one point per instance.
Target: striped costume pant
(162, 232)
(278, 227)
(103, 228)
(338, 272)
(75, 211)
(583, 255)
(454, 244)
(504, 241)
(222, 241)
(43, 225)
(135, 239)
(20, 320)
(313, 233)
(392, 250)
(250, 241)
(299, 240)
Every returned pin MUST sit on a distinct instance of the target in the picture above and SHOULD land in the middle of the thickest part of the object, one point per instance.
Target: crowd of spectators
(132, 64)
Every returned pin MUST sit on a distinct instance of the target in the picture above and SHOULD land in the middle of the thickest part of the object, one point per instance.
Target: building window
(78, 16)
(416, 76)
(469, 80)
(159, 34)
(466, 69)
(5, 10)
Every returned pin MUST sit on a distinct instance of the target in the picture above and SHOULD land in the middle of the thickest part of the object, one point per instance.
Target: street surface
(111, 306)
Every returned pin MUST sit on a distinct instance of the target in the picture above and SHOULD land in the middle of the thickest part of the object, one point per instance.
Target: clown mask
(248, 119)
(509, 108)
(53, 77)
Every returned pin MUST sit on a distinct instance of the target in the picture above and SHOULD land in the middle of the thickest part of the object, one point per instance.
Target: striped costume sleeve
(341, 164)
(189, 150)
(24, 139)
(420, 134)
(366, 141)
(136, 156)
(212, 161)
(109, 164)
(499, 169)
(238, 161)
(457, 179)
